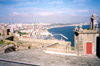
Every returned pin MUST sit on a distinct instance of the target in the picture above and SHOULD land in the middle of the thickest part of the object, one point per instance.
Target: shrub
(72, 48)
(1, 42)
(17, 46)
(20, 42)
(8, 43)
(29, 47)
(88, 28)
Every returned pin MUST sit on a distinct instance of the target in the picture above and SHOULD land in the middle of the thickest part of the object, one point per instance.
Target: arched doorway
(10, 49)
(88, 48)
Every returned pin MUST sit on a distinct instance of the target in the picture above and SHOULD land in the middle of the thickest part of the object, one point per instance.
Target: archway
(10, 49)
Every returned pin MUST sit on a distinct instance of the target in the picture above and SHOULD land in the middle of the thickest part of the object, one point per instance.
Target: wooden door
(89, 48)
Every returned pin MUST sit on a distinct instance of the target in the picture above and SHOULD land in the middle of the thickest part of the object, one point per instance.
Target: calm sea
(66, 31)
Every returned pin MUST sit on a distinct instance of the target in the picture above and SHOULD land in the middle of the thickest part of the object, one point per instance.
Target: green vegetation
(1, 42)
(72, 48)
(22, 33)
(8, 43)
(88, 28)
(17, 46)
(20, 42)
(29, 47)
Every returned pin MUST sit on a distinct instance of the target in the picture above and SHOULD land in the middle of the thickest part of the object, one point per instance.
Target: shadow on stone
(8, 30)
(11, 38)
(98, 47)
(76, 34)
(16, 63)
(10, 49)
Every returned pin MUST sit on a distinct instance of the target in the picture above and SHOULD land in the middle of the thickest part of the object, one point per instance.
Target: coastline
(65, 26)
(66, 31)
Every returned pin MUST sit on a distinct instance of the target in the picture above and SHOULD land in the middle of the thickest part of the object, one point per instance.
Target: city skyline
(48, 11)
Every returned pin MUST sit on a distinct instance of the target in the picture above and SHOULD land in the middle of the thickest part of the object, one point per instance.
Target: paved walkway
(36, 57)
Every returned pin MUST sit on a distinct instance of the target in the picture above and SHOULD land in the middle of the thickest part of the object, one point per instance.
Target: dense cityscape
(35, 30)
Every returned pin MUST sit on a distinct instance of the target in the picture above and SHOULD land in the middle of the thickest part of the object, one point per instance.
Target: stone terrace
(35, 57)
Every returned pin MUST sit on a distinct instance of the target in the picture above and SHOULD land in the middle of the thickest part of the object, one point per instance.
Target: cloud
(81, 0)
(74, 15)
(41, 1)
(77, 11)
(80, 4)
(32, 3)
(56, 2)
(46, 13)
(43, 17)
(28, 3)
(16, 14)
(14, 0)
(82, 10)
(19, 0)
(23, 4)
(33, 14)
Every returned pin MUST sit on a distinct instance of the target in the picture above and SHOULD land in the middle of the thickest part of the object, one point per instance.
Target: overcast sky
(62, 11)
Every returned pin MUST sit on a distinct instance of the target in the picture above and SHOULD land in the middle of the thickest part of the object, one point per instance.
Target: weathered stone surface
(38, 57)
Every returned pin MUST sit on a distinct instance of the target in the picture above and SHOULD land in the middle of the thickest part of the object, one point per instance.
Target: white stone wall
(90, 38)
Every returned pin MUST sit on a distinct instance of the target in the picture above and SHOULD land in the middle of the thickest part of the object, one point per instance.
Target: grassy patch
(1, 42)
(72, 48)
(20, 42)
(17, 46)
(29, 47)
(8, 43)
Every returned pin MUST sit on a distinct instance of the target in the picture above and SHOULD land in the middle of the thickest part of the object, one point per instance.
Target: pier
(62, 36)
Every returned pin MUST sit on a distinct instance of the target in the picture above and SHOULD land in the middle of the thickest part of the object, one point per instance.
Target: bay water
(66, 31)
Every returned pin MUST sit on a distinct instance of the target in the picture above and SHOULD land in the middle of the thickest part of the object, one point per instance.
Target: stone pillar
(93, 24)
(76, 39)
(76, 28)
(80, 28)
